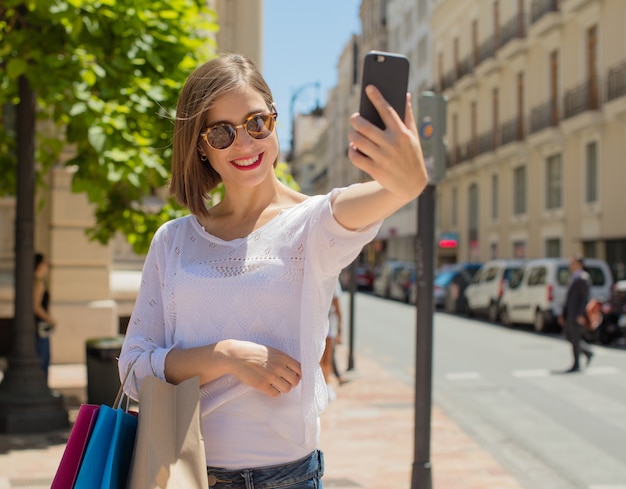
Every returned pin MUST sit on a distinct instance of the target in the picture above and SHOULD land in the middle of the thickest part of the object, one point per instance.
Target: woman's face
(42, 269)
(248, 162)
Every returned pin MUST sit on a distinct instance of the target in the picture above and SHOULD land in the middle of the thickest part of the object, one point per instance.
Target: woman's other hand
(262, 367)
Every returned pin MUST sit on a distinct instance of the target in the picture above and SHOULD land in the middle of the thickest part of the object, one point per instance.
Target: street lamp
(27, 405)
(292, 104)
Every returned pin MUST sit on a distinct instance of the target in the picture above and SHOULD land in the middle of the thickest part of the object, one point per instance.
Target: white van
(482, 295)
(536, 295)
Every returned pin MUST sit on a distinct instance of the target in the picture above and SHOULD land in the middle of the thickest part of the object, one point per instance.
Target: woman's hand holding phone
(392, 156)
(383, 144)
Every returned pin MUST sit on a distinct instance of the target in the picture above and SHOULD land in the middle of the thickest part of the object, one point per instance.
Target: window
(592, 68)
(454, 206)
(494, 250)
(496, 23)
(591, 173)
(519, 190)
(562, 275)
(537, 276)
(554, 87)
(519, 249)
(494, 197)
(520, 106)
(474, 129)
(472, 206)
(495, 117)
(554, 182)
(597, 276)
(553, 248)
(490, 274)
(516, 278)
(475, 42)
(590, 250)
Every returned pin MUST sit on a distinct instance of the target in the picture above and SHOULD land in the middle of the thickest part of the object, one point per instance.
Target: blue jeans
(305, 473)
(42, 346)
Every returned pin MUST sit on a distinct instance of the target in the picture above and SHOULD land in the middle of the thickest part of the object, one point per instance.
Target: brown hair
(193, 179)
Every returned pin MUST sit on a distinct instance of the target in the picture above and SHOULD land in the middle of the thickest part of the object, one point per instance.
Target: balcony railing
(582, 98)
(485, 143)
(448, 80)
(486, 50)
(464, 152)
(511, 130)
(539, 8)
(616, 86)
(465, 67)
(513, 29)
(544, 116)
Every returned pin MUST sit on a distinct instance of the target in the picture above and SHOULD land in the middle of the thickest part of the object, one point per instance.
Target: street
(505, 389)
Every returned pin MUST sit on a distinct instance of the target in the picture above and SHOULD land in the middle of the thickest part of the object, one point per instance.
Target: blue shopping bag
(120, 454)
(109, 451)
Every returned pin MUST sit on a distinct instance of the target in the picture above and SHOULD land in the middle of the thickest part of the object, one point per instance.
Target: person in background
(328, 363)
(238, 293)
(574, 314)
(44, 322)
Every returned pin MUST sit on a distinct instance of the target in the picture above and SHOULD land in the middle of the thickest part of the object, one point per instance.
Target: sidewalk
(367, 439)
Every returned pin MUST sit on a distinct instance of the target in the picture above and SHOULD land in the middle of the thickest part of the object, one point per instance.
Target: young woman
(238, 293)
(44, 323)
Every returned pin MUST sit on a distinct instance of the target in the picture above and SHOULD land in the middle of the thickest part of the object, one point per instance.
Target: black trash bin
(103, 380)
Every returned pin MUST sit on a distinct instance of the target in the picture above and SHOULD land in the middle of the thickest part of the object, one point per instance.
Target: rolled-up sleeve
(146, 343)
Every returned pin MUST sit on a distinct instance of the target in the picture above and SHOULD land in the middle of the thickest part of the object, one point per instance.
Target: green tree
(107, 74)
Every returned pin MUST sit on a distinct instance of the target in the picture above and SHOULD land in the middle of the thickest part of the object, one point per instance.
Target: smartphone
(389, 72)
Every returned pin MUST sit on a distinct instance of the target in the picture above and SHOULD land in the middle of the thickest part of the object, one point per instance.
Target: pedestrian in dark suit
(574, 316)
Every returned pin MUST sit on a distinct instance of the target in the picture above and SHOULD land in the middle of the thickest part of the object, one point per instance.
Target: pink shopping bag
(76, 444)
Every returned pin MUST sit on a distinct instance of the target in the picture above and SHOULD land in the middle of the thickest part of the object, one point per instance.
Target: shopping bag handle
(122, 390)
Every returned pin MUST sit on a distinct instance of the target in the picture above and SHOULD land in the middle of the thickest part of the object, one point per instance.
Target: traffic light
(431, 124)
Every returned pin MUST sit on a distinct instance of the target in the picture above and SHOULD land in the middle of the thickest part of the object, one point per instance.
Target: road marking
(604, 371)
(530, 373)
(463, 376)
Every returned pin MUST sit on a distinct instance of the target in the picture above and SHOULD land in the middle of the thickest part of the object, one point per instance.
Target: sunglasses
(222, 135)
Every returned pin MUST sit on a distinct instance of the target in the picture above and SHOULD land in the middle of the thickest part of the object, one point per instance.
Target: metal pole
(421, 475)
(26, 403)
(351, 320)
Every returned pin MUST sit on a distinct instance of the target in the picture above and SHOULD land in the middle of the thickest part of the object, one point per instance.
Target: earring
(204, 157)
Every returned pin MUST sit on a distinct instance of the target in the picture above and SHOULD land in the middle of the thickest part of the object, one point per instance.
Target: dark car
(613, 326)
(450, 284)
(388, 276)
(363, 278)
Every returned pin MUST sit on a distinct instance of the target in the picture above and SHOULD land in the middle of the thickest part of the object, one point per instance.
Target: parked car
(482, 295)
(388, 274)
(450, 285)
(404, 281)
(450, 282)
(537, 294)
(613, 326)
(363, 278)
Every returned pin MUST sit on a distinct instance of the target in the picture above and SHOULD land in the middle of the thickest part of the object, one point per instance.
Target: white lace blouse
(273, 287)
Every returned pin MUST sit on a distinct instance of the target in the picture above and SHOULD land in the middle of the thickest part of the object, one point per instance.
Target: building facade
(536, 124)
(536, 128)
